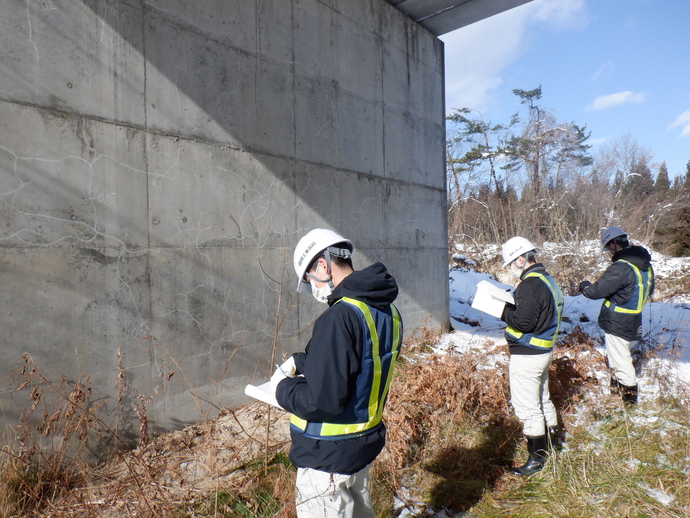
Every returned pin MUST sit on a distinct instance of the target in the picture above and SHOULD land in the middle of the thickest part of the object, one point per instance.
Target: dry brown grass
(451, 435)
(50, 470)
(188, 468)
(448, 420)
(451, 432)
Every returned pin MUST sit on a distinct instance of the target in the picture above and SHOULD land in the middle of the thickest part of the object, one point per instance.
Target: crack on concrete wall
(154, 173)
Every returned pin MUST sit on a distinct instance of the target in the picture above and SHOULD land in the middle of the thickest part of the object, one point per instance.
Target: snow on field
(665, 323)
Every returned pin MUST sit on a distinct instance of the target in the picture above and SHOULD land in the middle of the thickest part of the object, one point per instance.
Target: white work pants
(529, 392)
(620, 361)
(331, 495)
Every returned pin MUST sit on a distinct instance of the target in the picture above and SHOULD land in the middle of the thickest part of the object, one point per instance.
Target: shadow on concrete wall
(160, 159)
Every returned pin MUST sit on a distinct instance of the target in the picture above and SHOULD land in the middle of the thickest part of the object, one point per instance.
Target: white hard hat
(514, 248)
(611, 233)
(311, 245)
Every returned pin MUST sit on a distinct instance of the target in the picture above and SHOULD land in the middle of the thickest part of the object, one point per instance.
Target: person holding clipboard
(533, 322)
(336, 389)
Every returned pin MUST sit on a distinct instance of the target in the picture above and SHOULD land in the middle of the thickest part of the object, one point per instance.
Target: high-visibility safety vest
(643, 285)
(382, 337)
(547, 338)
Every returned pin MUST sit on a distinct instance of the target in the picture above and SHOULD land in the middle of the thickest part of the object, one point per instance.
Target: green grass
(224, 504)
(626, 463)
(260, 498)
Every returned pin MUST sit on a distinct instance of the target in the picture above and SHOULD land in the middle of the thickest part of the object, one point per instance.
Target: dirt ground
(177, 467)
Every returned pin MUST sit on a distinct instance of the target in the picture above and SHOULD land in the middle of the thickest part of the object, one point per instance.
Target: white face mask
(516, 273)
(321, 294)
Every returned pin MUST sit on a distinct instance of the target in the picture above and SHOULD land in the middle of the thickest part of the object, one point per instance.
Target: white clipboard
(263, 393)
(491, 299)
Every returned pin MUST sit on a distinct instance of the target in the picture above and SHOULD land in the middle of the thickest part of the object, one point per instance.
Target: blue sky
(620, 67)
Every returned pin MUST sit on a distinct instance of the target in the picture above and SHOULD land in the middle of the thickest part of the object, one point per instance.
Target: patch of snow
(666, 325)
(666, 328)
(657, 494)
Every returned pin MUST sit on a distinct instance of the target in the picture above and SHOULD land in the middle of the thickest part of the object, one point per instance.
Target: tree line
(536, 176)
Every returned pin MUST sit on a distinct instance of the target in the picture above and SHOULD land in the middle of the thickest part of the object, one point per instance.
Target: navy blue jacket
(330, 365)
(617, 283)
(533, 312)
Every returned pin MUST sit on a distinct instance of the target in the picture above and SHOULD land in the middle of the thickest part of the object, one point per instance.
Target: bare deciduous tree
(535, 176)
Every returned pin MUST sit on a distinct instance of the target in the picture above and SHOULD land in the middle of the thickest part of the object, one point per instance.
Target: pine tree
(662, 184)
(639, 183)
(546, 149)
(686, 183)
(480, 146)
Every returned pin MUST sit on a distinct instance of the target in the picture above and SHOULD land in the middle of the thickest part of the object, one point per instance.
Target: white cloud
(473, 63)
(560, 14)
(597, 141)
(477, 54)
(608, 101)
(682, 120)
(605, 69)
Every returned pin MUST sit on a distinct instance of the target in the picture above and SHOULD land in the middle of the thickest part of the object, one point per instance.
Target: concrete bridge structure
(159, 159)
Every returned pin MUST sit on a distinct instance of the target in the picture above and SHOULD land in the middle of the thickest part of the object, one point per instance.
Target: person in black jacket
(625, 287)
(336, 389)
(533, 323)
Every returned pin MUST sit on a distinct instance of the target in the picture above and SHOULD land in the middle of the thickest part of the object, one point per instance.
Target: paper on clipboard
(491, 299)
(263, 393)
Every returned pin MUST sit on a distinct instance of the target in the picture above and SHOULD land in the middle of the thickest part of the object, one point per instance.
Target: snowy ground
(664, 322)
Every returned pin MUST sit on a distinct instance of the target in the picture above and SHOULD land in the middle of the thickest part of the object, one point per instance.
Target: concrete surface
(443, 16)
(158, 161)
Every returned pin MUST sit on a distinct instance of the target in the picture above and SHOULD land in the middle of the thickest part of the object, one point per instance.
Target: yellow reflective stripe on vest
(540, 342)
(559, 311)
(341, 429)
(298, 422)
(642, 292)
(537, 342)
(395, 350)
(375, 404)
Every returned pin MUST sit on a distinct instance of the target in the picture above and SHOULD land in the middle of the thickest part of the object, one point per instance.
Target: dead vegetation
(451, 435)
(45, 474)
(186, 468)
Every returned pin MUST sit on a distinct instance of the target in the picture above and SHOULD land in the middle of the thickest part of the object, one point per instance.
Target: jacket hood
(373, 285)
(537, 267)
(636, 255)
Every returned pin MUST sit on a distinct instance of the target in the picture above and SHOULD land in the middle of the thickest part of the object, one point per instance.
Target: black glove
(583, 285)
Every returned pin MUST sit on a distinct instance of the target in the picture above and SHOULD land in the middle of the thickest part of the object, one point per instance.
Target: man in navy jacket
(625, 287)
(340, 383)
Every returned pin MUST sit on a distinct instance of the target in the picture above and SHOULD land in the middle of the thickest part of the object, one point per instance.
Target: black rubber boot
(536, 447)
(555, 441)
(629, 395)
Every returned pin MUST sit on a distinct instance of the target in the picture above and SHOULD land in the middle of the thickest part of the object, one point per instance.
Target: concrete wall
(158, 161)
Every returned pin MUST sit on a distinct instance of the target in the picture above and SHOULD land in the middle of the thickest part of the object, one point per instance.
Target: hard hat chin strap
(329, 280)
(336, 252)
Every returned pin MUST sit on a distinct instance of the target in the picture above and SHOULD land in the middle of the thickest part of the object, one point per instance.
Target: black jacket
(618, 284)
(533, 311)
(330, 365)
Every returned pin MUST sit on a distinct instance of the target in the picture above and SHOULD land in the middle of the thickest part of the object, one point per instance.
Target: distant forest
(535, 176)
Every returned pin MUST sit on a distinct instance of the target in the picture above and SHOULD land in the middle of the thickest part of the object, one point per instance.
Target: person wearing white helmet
(625, 286)
(336, 389)
(532, 327)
